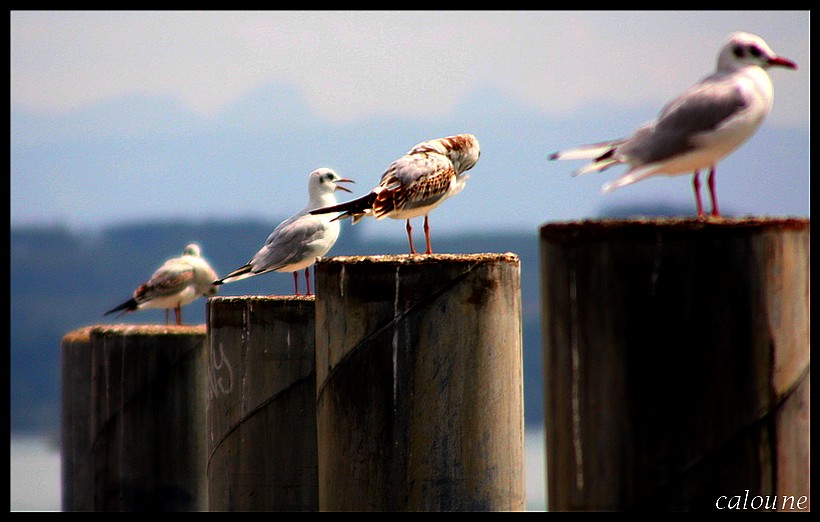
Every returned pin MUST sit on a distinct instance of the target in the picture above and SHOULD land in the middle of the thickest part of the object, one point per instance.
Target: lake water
(35, 473)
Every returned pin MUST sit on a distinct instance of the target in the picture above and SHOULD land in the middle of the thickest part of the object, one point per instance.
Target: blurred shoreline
(35, 472)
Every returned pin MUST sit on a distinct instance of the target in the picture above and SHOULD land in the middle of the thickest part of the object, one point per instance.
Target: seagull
(700, 127)
(416, 183)
(297, 241)
(176, 283)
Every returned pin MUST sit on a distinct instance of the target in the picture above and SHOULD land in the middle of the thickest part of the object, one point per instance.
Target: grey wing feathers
(703, 108)
(289, 242)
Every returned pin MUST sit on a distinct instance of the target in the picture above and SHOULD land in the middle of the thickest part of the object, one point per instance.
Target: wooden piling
(147, 403)
(419, 383)
(677, 362)
(262, 404)
(75, 421)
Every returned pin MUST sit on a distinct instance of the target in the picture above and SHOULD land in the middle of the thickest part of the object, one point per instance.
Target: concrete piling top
(271, 298)
(146, 329)
(681, 224)
(84, 333)
(413, 259)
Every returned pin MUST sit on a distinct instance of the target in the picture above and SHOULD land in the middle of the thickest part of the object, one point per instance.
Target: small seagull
(416, 183)
(176, 283)
(700, 127)
(296, 242)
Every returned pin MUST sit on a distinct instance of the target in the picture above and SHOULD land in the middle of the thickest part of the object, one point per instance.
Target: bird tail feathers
(603, 154)
(128, 306)
(596, 166)
(356, 208)
(629, 178)
(237, 275)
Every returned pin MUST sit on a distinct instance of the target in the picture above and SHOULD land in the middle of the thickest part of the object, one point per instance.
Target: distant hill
(63, 280)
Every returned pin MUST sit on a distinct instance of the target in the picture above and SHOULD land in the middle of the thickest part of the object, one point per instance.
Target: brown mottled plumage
(416, 183)
(176, 283)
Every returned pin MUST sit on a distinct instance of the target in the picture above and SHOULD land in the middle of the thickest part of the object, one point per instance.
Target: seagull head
(742, 49)
(324, 182)
(462, 149)
(465, 152)
(192, 250)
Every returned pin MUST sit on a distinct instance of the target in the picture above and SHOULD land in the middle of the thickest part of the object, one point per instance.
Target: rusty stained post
(419, 383)
(262, 404)
(676, 362)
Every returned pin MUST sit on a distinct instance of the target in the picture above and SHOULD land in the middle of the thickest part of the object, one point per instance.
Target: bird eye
(738, 51)
(755, 51)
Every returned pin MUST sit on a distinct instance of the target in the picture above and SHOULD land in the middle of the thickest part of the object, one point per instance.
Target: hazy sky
(409, 64)
(405, 70)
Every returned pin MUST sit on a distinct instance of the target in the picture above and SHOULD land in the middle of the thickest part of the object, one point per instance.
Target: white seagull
(700, 127)
(176, 283)
(416, 183)
(297, 241)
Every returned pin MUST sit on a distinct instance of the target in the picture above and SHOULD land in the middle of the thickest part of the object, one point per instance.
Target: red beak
(783, 62)
(339, 187)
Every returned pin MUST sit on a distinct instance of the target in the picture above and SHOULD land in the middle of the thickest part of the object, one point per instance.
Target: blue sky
(125, 116)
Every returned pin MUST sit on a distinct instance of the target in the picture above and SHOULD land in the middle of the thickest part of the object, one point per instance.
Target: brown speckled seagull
(176, 283)
(416, 183)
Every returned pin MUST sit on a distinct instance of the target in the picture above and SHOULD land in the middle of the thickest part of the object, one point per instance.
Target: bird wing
(702, 108)
(291, 241)
(171, 278)
(414, 180)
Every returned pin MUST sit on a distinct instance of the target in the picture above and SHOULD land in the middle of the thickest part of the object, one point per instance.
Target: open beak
(783, 62)
(345, 180)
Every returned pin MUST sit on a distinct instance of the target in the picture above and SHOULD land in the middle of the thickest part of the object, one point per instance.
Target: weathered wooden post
(262, 404)
(75, 421)
(147, 398)
(419, 383)
(677, 363)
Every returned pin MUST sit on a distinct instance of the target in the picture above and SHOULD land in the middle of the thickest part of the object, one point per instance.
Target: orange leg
(712, 193)
(307, 280)
(410, 237)
(427, 235)
(296, 283)
(696, 186)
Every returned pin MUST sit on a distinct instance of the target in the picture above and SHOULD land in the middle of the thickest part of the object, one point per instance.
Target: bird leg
(166, 317)
(696, 185)
(296, 282)
(712, 193)
(178, 314)
(427, 235)
(410, 237)
(307, 279)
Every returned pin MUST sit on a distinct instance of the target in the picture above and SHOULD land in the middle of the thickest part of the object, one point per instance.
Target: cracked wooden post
(676, 363)
(419, 383)
(147, 419)
(262, 404)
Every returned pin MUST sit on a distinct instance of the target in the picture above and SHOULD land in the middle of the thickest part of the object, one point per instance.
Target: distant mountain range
(149, 156)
